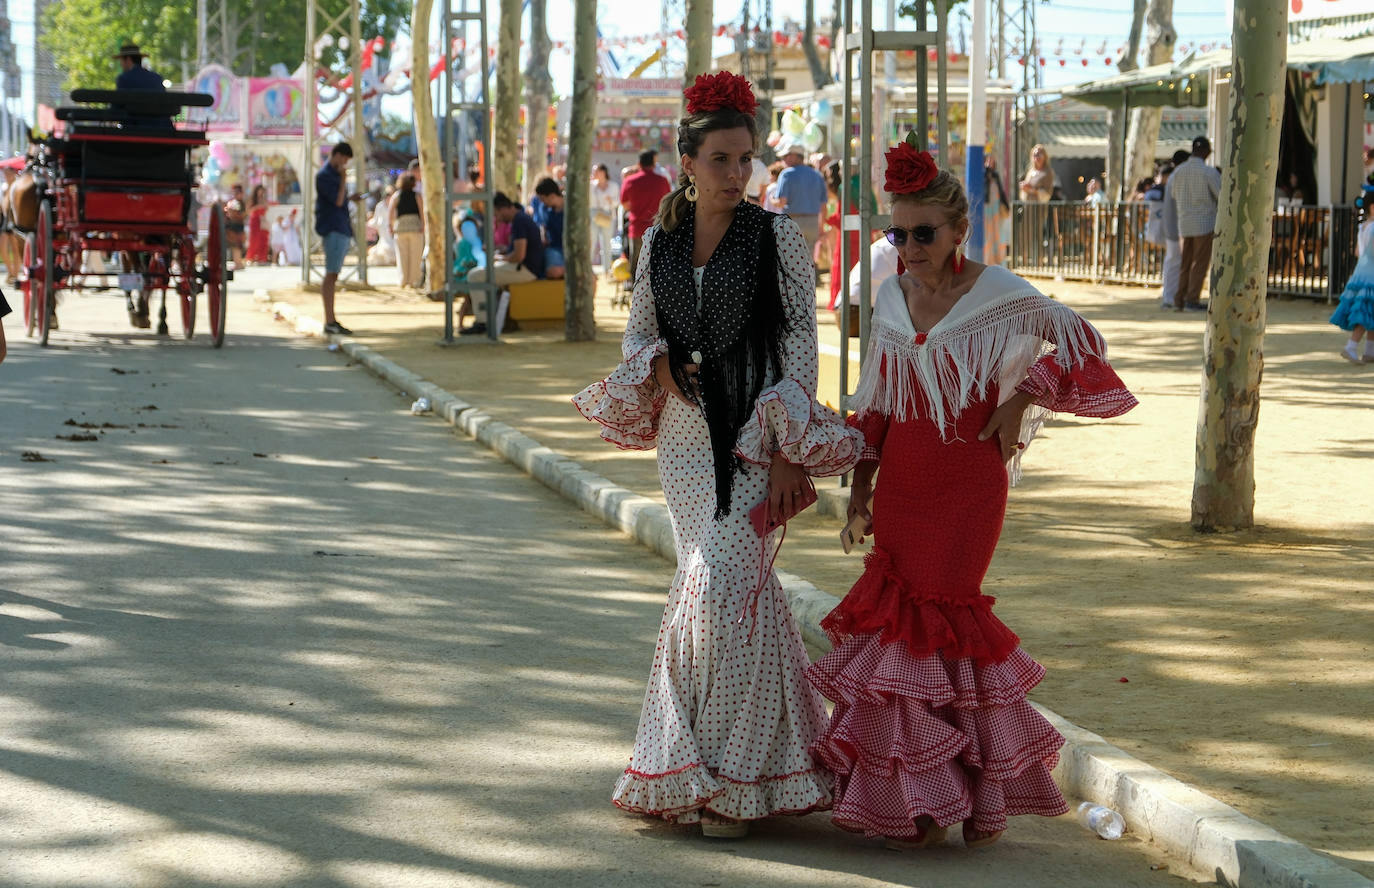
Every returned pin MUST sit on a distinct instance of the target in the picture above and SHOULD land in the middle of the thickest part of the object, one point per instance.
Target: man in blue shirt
(523, 261)
(133, 76)
(333, 226)
(801, 193)
(547, 211)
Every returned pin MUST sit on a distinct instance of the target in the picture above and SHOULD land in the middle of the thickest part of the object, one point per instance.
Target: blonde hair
(944, 191)
(691, 132)
(1030, 161)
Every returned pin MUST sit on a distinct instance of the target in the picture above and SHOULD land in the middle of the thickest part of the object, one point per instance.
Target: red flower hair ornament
(713, 92)
(908, 170)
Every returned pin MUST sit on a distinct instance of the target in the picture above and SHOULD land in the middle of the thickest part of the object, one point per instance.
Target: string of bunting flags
(1062, 54)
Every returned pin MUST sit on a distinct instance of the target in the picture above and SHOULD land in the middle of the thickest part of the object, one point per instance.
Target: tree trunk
(538, 96)
(1144, 130)
(1130, 60)
(819, 76)
(579, 301)
(427, 141)
(1233, 356)
(1117, 180)
(699, 31)
(505, 136)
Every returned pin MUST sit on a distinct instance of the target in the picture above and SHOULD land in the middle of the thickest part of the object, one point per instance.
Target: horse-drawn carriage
(119, 178)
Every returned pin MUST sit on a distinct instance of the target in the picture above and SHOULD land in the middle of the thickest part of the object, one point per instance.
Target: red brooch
(920, 339)
(908, 170)
(712, 92)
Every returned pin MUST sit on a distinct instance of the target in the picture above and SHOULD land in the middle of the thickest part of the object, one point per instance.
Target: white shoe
(1350, 354)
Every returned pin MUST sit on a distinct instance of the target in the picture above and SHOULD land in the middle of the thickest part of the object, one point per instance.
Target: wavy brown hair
(691, 132)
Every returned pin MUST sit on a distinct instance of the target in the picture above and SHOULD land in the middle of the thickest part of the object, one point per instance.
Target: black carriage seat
(128, 137)
(142, 103)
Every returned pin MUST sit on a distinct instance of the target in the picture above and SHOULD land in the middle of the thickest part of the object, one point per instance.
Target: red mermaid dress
(931, 716)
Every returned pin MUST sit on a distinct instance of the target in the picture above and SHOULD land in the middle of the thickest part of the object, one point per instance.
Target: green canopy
(1184, 83)
(1173, 84)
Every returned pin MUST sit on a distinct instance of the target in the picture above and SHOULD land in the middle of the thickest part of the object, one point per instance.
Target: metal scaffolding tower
(465, 141)
(755, 47)
(218, 36)
(1017, 39)
(860, 42)
(324, 32)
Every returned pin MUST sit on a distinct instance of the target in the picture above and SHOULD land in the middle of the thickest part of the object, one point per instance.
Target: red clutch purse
(759, 514)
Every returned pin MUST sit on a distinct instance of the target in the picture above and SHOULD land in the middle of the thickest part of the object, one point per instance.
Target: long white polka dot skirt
(728, 715)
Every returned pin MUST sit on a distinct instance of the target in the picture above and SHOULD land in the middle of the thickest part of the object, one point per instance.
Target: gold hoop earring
(692, 194)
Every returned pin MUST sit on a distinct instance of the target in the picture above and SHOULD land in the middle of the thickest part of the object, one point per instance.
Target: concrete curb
(1213, 840)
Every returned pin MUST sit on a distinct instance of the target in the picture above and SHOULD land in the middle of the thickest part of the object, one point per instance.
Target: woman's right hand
(664, 375)
(860, 492)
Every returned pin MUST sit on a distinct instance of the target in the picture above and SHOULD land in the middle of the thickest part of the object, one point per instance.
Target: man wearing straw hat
(136, 77)
(133, 75)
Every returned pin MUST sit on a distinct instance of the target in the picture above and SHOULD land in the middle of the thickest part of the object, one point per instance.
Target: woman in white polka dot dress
(720, 375)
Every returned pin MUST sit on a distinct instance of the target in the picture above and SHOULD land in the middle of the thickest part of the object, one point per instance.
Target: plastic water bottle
(421, 405)
(1101, 820)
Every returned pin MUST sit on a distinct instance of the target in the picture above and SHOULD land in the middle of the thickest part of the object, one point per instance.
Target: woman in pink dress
(719, 374)
(931, 725)
(259, 238)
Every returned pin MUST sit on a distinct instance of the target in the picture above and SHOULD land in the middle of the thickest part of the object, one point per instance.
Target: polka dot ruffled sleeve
(787, 418)
(627, 403)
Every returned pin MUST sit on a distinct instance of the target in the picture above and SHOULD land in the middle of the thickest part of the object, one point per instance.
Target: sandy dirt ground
(1240, 663)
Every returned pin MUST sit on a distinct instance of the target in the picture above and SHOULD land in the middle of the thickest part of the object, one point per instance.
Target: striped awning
(1088, 138)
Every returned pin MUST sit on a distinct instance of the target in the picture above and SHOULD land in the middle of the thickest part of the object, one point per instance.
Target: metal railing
(1311, 254)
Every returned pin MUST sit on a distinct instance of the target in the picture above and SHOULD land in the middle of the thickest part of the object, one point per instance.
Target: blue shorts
(335, 249)
(553, 257)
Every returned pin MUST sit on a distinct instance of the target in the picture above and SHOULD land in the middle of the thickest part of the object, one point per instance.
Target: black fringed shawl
(738, 330)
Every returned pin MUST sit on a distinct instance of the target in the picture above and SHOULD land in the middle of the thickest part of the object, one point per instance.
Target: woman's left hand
(1005, 424)
(786, 481)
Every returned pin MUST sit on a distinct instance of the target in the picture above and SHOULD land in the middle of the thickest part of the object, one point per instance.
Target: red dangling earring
(956, 260)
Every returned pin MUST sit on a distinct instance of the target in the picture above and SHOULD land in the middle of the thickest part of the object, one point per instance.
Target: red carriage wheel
(44, 301)
(28, 287)
(214, 275)
(186, 290)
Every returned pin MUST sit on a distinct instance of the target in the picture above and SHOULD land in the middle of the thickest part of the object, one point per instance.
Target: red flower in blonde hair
(909, 170)
(712, 92)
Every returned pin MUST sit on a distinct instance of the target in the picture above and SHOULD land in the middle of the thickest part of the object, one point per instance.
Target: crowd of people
(1181, 213)
(931, 727)
(1181, 199)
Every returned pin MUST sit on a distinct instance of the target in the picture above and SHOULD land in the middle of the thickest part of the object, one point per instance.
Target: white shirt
(882, 262)
(758, 178)
(605, 198)
(1193, 190)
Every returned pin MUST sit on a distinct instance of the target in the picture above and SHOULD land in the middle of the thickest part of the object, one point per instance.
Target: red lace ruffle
(883, 602)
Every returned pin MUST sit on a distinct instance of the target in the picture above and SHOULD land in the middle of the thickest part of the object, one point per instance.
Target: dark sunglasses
(921, 234)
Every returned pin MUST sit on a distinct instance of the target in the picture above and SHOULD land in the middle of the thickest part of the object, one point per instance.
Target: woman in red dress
(931, 725)
(259, 247)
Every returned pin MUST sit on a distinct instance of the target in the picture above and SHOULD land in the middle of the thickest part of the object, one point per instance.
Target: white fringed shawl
(993, 334)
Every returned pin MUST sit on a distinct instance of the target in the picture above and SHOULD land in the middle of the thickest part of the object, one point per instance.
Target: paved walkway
(1105, 517)
(267, 629)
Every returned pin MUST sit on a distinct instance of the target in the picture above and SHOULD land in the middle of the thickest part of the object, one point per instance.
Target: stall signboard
(276, 107)
(226, 113)
(637, 113)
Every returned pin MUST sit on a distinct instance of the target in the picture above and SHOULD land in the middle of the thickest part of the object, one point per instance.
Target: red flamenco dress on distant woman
(259, 246)
(931, 718)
